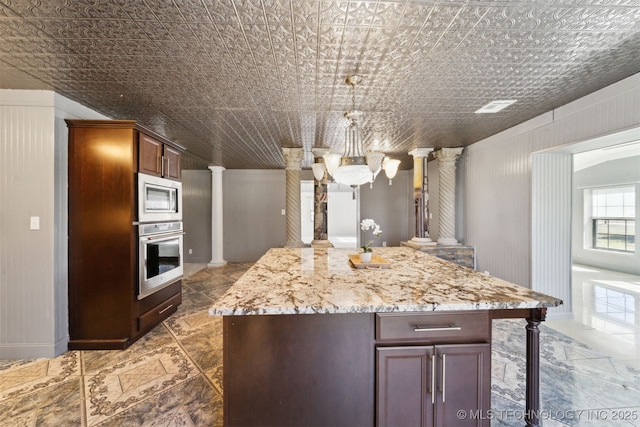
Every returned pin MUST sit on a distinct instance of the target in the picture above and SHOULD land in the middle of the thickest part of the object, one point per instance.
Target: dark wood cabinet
(427, 385)
(104, 311)
(158, 158)
(405, 377)
(431, 366)
(299, 370)
(361, 369)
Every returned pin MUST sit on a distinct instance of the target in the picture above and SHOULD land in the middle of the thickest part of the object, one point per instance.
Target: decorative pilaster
(421, 196)
(320, 224)
(217, 226)
(447, 158)
(293, 159)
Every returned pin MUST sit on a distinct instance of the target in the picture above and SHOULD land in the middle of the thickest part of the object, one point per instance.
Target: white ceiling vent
(495, 106)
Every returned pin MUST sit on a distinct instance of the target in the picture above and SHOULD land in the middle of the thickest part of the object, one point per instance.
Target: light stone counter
(309, 281)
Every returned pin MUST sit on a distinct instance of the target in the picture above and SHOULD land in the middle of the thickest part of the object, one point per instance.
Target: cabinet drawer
(159, 312)
(434, 328)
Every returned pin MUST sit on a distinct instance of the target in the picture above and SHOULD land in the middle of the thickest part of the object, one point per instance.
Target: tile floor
(172, 376)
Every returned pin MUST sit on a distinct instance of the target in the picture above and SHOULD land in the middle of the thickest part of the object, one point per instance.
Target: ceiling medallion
(354, 167)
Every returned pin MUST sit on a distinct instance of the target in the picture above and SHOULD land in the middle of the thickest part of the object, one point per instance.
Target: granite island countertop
(312, 281)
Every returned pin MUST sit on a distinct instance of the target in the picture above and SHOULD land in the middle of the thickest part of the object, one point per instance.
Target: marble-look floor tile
(215, 376)
(93, 360)
(205, 347)
(191, 403)
(189, 324)
(56, 405)
(20, 380)
(192, 302)
(115, 388)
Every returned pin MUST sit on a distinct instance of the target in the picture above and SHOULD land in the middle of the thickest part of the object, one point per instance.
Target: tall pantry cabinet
(104, 311)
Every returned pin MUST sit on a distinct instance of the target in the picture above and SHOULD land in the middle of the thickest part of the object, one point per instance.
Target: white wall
(497, 176)
(252, 204)
(33, 182)
(196, 209)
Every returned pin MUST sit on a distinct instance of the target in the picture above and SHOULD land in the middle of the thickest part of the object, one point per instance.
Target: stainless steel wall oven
(160, 256)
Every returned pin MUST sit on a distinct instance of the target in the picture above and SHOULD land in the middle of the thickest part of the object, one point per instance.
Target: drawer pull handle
(433, 379)
(422, 328)
(444, 378)
(165, 309)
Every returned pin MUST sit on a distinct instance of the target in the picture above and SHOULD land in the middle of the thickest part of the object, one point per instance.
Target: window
(613, 211)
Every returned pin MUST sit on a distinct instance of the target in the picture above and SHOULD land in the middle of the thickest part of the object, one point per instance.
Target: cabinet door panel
(149, 155)
(404, 383)
(172, 163)
(464, 383)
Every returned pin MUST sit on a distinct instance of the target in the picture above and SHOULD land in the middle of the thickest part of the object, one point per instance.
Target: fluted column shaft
(421, 196)
(217, 226)
(293, 160)
(447, 158)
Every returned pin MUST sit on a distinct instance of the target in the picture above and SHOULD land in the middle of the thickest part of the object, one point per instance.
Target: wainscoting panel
(551, 205)
(33, 183)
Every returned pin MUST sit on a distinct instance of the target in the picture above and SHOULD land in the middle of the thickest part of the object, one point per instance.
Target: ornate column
(217, 227)
(293, 160)
(447, 173)
(421, 197)
(320, 234)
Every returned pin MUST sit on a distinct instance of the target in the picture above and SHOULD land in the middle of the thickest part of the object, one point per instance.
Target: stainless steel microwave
(159, 199)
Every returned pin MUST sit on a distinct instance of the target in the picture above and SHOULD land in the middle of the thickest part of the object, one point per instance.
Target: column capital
(216, 169)
(293, 157)
(420, 152)
(448, 154)
(319, 152)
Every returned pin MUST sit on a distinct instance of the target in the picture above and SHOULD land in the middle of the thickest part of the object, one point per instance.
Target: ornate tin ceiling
(236, 80)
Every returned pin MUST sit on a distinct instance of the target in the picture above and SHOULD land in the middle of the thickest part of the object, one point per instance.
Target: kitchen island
(311, 340)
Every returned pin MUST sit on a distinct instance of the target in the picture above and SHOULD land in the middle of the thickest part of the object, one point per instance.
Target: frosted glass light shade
(353, 175)
(374, 160)
(318, 171)
(331, 161)
(391, 167)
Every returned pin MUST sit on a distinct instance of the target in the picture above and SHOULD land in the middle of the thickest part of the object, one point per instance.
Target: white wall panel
(33, 263)
(551, 226)
(26, 256)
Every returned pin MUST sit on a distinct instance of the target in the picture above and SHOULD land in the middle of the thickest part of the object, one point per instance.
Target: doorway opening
(343, 213)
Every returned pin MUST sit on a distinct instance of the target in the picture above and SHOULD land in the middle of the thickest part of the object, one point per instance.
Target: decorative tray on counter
(377, 262)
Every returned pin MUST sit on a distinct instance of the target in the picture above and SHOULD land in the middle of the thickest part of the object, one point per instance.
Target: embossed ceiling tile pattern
(234, 80)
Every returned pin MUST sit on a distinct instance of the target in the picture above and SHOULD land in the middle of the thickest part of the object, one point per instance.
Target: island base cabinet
(298, 370)
(443, 385)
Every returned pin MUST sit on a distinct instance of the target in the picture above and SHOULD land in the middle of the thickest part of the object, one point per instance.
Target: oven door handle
(163, 236)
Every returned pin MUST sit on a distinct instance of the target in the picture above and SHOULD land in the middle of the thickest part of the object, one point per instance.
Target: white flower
(368, 224)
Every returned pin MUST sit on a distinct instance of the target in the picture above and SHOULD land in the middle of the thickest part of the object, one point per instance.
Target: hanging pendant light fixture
(354, 168)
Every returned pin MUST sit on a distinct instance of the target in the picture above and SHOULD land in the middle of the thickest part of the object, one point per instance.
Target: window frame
(594, 219)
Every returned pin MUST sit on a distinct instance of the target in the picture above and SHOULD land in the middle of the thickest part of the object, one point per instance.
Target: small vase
(365, 257)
